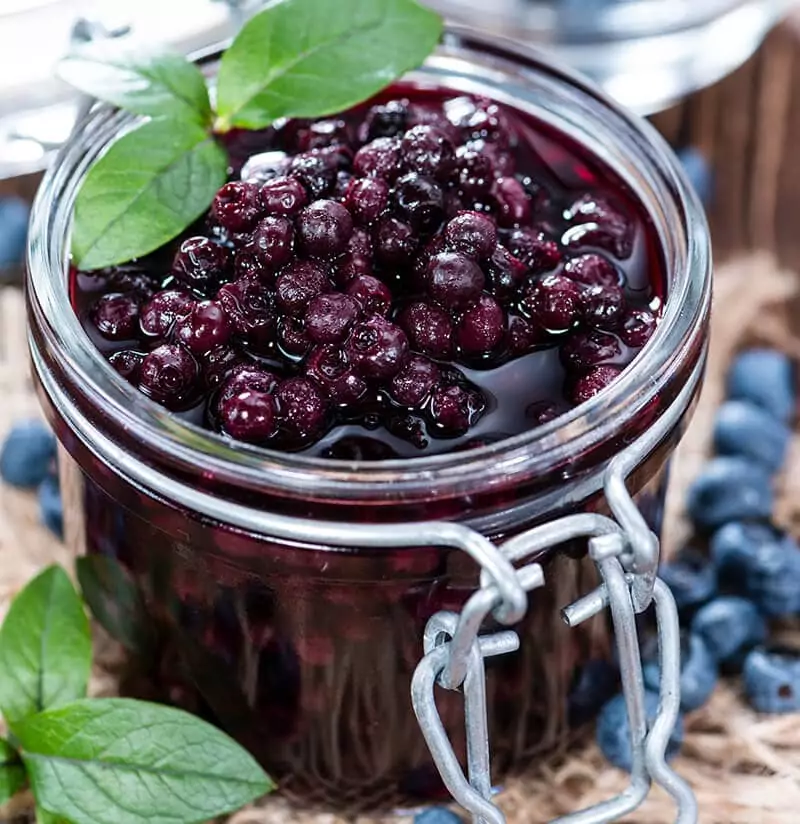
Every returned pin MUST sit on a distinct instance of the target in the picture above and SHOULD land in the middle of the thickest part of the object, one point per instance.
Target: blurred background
(719, 78)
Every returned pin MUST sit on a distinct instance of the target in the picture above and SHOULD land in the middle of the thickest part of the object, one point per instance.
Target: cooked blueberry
(744, 429)
(380, 158)
(584, 350)
(429, 329)
(372, 295)
(376, 348)
(691, 578)
(298, 283)
(535, 250)
(427, 151)
(205, 327)
(388, 120)
(505, 274)
(116, 316)
(329, 317)
(437, 815)
(593, 270)
(199, 263)
(264, 166)
(541, 412)
(636, 327)
(554, 303)
(729, 489)
(218, 363)
(237, 206)
(598, 222)
(169, 374)
(513, 203)
(581, 389)
(420, 201)
(412, 385)
(249, 416)
(27, 454)
(247, 377)
(699, 673)
(729, 625)
(127, 363)
(51, 507)
(367, 198)
(157, 316)
(474, 172)
(330, 369)
(293, 340)
(760, 562)
(482, 327)
(454, 409)
(472, 234)
(316, 171)
(454, 280)
(772, 680)
(603, 307)
(250, 308)
(324, 228)
(764, 377)
(273, 242)
(302, 408)
(395, 242)
(594, 683)
(283, 196)
(614, 733)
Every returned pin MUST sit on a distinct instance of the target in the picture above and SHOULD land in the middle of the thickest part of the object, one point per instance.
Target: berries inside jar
(413, 282)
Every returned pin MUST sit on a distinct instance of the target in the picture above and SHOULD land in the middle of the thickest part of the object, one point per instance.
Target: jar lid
(37, 110)
(647, 54)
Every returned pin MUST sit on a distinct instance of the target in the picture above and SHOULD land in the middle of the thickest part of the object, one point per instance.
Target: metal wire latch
(626, 555)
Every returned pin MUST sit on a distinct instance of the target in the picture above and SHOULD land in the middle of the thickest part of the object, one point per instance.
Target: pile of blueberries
(28, 460)
(742, 573)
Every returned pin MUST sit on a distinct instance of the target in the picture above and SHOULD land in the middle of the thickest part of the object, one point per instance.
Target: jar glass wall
(304, 647)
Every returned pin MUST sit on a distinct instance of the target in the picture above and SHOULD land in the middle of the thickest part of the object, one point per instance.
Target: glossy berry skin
(372, 295)
(157, 316)
(237, 205)
(292, 338)
(412, 385)
(505, 274)
(454, 280)
(329, 317)
(749, 431)
(169, 375)
(613, 731)
(27, 454)
(298, 284)
(272, 242)
(454, 409)
(603, 307)
(367, 199)
(200, 263)
(585, 387)
(772, 680)
(302, 408)
(482, 327)
(116, 316)
(729, 625)
(316, 171)
(729, 489)
(328, 367)
(387, 120)
(420, 202)
(584, 350)
(51, 506)
(376, 348)
(596, 682)
(283, 196)
(473, 234)
(554, 303)
(764, 377)
(395, 242)
(692, 579)
(513, 203)
(636, 327)
(598, 222)
(592, 270)
(128, 364)
(429, 329)
(761, 563)
(245, 377)
(218, 363)
(380, 158)
(427, 151)
(323, 229)
(437, 815)
(535, 250)
(250, 309)
(249, 416)
(204, 328)
(699, 673)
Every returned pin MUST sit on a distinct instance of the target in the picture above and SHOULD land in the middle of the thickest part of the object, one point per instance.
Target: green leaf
(301, 58)
(45, 647)
(12, 773)
(159, 85)
(148, 187)
(44, 817)
(119, 761)
(115, 601)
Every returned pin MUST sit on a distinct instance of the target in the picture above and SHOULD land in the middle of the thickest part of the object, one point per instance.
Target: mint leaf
(158, 85)
(44, 817)
(119, 761)
(12, 773)
(149, 186)
(45, 647)
(303, 58)
(115, 601)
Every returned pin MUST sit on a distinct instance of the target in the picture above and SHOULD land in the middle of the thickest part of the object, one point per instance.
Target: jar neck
(574, 446)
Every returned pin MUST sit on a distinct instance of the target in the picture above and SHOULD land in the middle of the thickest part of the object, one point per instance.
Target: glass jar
(285, 597)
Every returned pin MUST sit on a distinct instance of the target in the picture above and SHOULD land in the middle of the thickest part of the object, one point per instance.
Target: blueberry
(691, 579)
(729, 625)
(760, 562)
(699, 673)
(594, 684)
(437, 815)
(51, 510)
(729, 489)
(744, 429)
(764, 377)
(696, 168)
(13, 231)
(772, 680)
(27, 454)
(613, 730)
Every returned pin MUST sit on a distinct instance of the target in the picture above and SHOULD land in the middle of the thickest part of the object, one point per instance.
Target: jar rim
(483, 63)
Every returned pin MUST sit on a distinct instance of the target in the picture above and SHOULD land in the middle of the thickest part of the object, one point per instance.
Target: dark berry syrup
(423, 274)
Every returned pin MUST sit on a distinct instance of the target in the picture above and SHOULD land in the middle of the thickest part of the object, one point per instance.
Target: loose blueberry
(380, 158)
(420, 201)
(367, 199)
(593, 270)
(27, 454)
(513, 203)
(412, 385)
(636, 327)
(169, 375)
(554, 303)
(437, 815)
(594, 684)
(454, 280)
(535, 250)
(247, 377)
(585, 349)
(298, 284)
(376, 348)
(603, 306)
(614, 735)
(330, 369)
(772, 680)
(388, 120)
(283, 196)
(482, 327)
(204, 328)
(692, 579)
(505, 274)
(292, 337)
(249, 416)
(454, 409)
(157, 316)
(372, 295)
(581, 389)
(237, 205)
(316, 170)
(764, 377)
(427, 151)
(699, 673)
(218, 363)
(272, 242)
(200, 263)
(302, 409)
(474, 173)
(329, 317)
(744, 429)
(395, 242)
(729, 625)
(51, 507)
(598, 222)
(472, 234)
(128, 364)
(116, 316)
(429, 329)
(729, 489)
(761, 563)
(250, 308)
(324, 228)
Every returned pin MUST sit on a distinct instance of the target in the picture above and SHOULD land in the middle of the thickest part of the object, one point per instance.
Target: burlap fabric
(745, 768)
